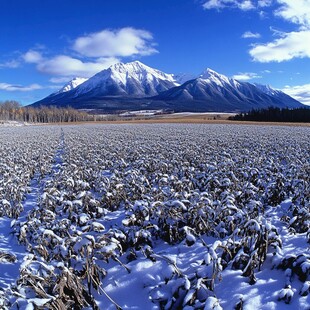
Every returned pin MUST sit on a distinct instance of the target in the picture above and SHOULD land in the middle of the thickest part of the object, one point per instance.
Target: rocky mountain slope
(135, 86)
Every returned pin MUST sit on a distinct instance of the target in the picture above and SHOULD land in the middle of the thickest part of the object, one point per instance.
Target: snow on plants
(155, 217)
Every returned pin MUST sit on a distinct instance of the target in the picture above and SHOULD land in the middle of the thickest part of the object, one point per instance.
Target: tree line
(273, 114)
(13, 111)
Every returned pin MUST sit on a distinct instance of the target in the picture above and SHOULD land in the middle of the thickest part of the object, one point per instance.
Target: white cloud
(12, 87)
(300, 93)
(250, 34)
(296, 11)
(262, 14)
(290, 45)
(57, 87)
(116, 43)
(10, 64)
(61, 79)
(66, 66)
(214, 4)
(245, 76)
(32, 57)
(244, 5)
(264, 3)
(96, 52)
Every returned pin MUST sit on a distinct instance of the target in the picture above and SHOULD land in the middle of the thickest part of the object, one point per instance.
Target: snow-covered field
(161, 216)
(5, 123)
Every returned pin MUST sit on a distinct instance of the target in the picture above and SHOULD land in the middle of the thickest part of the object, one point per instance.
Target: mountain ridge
(134, 85)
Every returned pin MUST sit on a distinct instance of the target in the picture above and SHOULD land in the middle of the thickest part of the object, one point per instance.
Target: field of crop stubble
(155, 216)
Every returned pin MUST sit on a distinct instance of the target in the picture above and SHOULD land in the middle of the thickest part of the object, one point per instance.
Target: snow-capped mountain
(133, 79)
(267, 89)
(276, 93)
(218, 93)
(135, 86)
(71, 85)
(130, 80)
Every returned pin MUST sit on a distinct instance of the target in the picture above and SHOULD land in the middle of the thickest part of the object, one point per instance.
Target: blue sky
(46, 43)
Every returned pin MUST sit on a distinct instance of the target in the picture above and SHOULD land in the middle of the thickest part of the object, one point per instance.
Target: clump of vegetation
(13, 111)
(273, 114)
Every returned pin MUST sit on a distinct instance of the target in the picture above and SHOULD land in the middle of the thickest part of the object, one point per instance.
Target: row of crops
(187, 202)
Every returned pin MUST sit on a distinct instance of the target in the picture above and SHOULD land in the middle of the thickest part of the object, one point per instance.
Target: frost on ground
(6, 123)
(155, 217)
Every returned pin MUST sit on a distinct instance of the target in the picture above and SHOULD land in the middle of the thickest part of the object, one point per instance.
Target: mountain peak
(136, 64)
(132, 79)
(131, 66)
(75, 82)
(209, 73)
(214, 77)
(139, 71)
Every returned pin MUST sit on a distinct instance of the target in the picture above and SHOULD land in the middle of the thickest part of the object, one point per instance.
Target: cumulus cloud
(32, 57)
(66, 66)
(93, 53)
(244, 5)
(285, 46)
(296, 11)
(63, 65)
(12, 87)
(245, 76)
(264, 3)
(10, 64)
(300, 93)
(116, 43)
(290, 45)
(250, 35)
(61, 79)
(214, 4)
